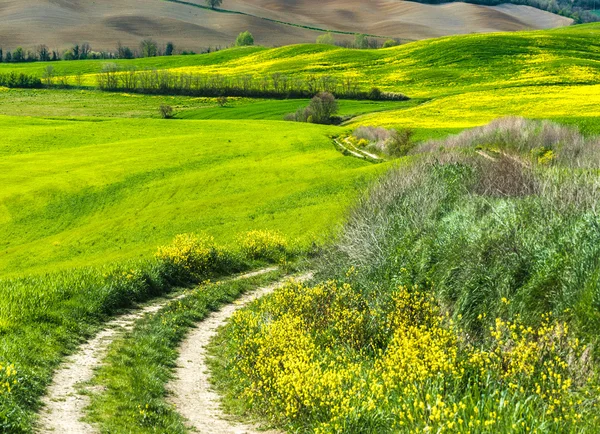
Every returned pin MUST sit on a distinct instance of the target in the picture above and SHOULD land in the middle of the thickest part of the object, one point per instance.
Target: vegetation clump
(322, 110)
(391, 142)
(265, 245)
(165, 111)
(244, 39)
(193, 254)
(446, 304)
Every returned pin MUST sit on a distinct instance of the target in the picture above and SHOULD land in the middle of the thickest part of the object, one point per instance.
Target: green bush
(266, 245)
(244, 39)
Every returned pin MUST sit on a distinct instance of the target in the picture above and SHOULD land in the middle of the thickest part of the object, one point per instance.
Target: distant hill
(61, 23)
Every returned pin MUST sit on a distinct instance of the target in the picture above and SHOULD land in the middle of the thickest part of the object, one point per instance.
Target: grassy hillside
(191, 25)
(59, 103)
(420, 69)
(92, 178)
(462, 297)
(81, 192)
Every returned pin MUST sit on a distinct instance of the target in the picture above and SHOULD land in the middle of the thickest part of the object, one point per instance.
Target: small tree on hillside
(48, 75)
(322, 108)
(17, 55)
(165, 111)
(43, 53)
(361, 41)
(213, 4)
(244, 39)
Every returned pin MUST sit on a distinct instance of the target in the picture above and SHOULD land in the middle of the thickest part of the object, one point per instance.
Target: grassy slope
(468, 80)
(426, 68)
(86, 192)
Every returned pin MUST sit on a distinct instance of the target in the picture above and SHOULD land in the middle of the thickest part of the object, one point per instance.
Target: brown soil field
(102, 23)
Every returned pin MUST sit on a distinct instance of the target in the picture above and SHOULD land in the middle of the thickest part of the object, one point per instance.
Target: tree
(213, 4)
(326, 39)
(165, 111)
(148, 48)
(1, 56)
(244, 39)
(17, 55)
(48, 75)
(84, 50)
(8, 56)
(322, 108)
(169, 49)
(124, 52)
(43, 53)
(361, 41)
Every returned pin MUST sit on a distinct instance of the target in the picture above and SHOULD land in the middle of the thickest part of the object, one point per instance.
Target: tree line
(146, 48)
(277, 85)
(579, 10)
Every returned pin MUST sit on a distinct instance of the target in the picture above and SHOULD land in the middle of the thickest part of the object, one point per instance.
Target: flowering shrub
(267, 245)
(329, 358)
(191, 254)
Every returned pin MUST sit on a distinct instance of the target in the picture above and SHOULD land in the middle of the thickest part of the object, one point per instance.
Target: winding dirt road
(66, 398)
(191, 391)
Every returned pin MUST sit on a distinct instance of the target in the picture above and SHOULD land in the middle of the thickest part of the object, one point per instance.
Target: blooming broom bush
(330, 359)
(192, 255)
(267, 245)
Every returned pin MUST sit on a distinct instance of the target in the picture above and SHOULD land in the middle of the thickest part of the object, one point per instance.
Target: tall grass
(461, 296)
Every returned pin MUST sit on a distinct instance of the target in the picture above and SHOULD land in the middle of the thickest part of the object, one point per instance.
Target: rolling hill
(190, 25)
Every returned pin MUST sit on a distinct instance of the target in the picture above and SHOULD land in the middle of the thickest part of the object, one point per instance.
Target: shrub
(222, 101)
(375, 94)
(399, 142)
(193, 256)
(326, 39)
(244, 39)
(267, 245)
(337, 358)
(166, 111)
(390, 43)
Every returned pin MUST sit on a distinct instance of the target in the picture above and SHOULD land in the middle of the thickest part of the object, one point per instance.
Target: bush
(193, 256)
(326, 39)
(267, 245)
(399, 143)
(244, 39)
(166, 111)
(321, 110)
(222, 101)
(390, 43)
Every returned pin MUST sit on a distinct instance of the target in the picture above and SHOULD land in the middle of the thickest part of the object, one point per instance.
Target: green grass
(138, 365)
(430, 68)
(422, 322)
(57, 103)
(86, 192)
(94, 179)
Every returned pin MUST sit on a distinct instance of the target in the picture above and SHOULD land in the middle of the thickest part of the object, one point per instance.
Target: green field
(94, 181)
(84, 192)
